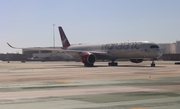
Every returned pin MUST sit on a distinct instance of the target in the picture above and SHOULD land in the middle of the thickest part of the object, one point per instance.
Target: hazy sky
(29, 23)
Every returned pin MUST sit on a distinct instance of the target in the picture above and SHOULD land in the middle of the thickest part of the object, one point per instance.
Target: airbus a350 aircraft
(136, 52)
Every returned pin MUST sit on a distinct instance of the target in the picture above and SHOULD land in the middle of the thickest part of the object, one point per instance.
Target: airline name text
(121, 46)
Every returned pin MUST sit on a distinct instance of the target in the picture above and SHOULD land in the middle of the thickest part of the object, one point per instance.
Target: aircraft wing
(13, 46)
(98, 54)
(37, 48)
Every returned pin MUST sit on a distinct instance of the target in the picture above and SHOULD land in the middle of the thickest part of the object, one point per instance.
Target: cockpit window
(154, 46)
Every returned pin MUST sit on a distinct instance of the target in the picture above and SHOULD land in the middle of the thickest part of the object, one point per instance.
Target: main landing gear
(112, 63)
(153, 63)
(88, 65)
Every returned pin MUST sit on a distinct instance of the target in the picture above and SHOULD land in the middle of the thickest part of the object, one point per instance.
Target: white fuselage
(126, 50)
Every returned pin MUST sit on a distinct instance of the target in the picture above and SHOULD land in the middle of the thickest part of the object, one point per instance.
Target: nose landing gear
(113, 63)
(153, 63)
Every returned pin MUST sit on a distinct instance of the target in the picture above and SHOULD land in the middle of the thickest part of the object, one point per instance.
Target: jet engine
(136, 60)
(88, 58)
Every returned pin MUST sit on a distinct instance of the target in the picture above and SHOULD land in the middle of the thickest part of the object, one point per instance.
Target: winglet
(12, 46)
(64, 40)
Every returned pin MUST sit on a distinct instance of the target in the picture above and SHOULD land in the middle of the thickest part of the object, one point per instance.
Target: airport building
(37, 50)
(170, 48)
(171, 51)
(12, 57)
(45, 53)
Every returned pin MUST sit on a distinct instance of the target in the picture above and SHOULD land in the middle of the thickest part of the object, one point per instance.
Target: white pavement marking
(70, 92)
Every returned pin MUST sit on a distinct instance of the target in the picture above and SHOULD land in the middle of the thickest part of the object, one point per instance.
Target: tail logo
(65, 42)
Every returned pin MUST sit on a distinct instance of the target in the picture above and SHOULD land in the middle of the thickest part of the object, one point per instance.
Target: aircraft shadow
(127, 66)
(95, 66)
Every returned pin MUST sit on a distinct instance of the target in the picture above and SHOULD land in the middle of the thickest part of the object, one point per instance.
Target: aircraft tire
(153, 65)
(113, 64)
(88, 65)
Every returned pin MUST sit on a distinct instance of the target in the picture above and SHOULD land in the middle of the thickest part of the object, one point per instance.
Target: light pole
(53, 36)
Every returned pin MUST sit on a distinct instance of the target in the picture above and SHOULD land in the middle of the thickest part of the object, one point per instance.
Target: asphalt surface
(70, 85)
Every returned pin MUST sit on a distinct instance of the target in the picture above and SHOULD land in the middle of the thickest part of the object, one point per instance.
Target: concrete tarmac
(70, 85)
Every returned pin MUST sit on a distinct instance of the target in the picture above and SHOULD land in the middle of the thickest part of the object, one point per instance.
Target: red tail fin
(65, 42)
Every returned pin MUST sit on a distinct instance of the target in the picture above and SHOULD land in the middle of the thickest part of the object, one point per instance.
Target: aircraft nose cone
(159, 53)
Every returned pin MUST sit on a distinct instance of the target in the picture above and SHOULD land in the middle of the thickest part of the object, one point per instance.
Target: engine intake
(88, 58)
(136, 60)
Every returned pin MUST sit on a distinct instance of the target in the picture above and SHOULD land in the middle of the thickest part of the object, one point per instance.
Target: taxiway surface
(70, 85)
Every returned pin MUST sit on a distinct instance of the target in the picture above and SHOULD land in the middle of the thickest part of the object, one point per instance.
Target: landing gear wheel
(113, 64)
(88, 65)
(153, 63)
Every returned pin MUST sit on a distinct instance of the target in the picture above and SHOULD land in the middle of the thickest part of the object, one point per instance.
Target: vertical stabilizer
(65, 42)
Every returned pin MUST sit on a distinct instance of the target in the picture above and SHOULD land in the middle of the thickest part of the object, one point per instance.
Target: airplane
(136, 52)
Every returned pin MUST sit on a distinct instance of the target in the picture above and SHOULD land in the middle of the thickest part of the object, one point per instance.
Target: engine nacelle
(136, 60)
(88, 58)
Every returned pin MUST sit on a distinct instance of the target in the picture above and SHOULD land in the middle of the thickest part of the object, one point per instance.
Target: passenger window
(154, 46)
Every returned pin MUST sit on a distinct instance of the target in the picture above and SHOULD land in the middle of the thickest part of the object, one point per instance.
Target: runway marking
(137, 108)
(65, 81)
(69, 92)
(151, 79)
(148, 78)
